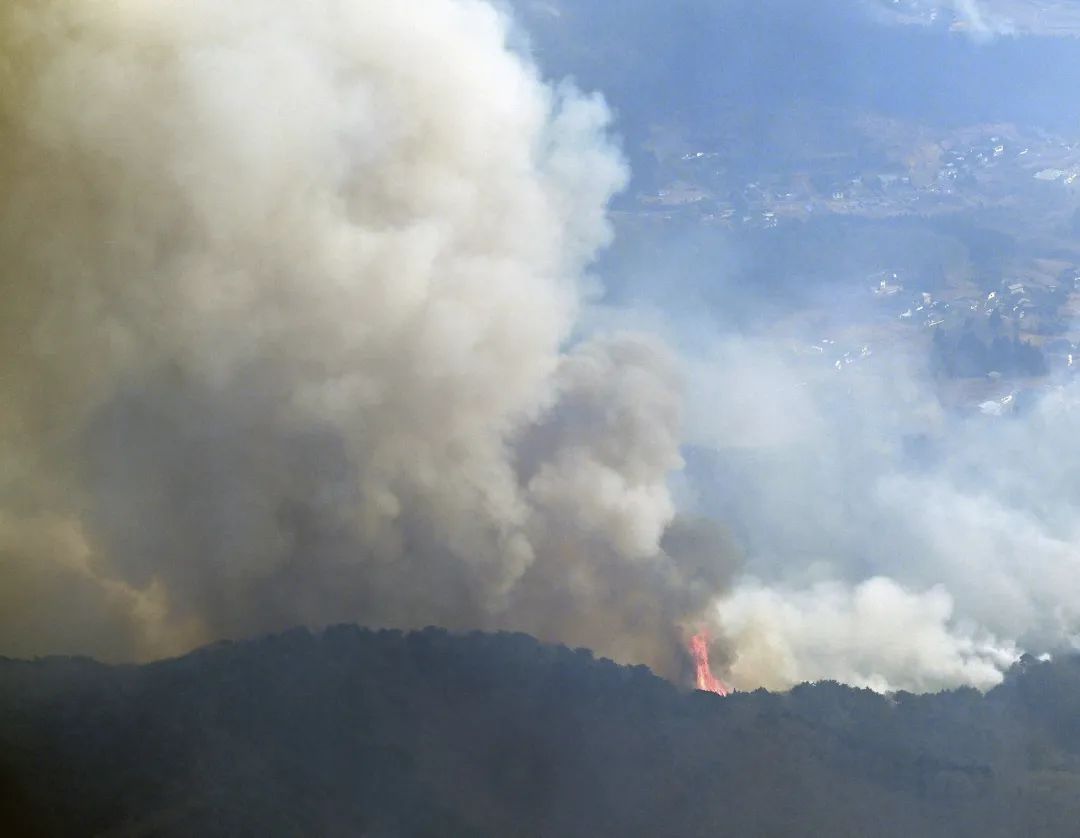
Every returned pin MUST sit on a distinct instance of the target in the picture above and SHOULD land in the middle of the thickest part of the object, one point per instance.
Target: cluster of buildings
(1021, 328)
(964, 170)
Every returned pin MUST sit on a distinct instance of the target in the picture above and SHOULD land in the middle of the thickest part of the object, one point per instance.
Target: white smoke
(979, 21)
(288, 294)
(292, 333)
(873, 634)
(868, 563)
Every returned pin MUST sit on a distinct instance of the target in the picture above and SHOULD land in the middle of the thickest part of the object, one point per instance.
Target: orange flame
(705, 680)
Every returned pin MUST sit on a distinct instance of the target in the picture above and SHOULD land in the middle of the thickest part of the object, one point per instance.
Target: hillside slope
(354, 732)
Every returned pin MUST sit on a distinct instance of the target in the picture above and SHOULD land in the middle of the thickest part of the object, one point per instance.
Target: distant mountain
(362, 733)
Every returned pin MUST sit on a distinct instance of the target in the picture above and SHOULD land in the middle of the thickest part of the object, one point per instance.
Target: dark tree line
(354, 732)
(969, 356)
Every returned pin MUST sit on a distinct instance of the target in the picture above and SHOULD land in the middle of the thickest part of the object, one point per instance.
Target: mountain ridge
(353, 731)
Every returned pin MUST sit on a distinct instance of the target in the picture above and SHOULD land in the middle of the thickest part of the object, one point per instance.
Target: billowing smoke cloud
(288, 290)
(874, 634)
(293, 332)
(891, 542)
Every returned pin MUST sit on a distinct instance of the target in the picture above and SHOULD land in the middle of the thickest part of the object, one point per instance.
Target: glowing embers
(703, 677)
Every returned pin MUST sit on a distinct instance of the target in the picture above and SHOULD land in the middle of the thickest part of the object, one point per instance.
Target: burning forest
(407, 410)
(307, 320)
(703, 675)
(289, 337)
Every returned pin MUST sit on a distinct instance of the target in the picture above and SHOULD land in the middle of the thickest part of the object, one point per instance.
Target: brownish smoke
(287, 290)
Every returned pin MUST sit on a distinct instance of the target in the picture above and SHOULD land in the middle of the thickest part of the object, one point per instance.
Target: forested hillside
(356, 732)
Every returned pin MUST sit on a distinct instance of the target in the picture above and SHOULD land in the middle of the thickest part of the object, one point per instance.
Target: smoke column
(288, 336)
(869, 564)
(295, 329)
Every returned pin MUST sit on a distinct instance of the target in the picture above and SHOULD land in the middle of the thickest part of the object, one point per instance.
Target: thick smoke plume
(873, 634)
(295, 330)
(891, 541)
(288, 290)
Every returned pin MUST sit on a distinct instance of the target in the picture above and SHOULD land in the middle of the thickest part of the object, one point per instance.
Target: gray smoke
(890, 541)
(288, 335)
